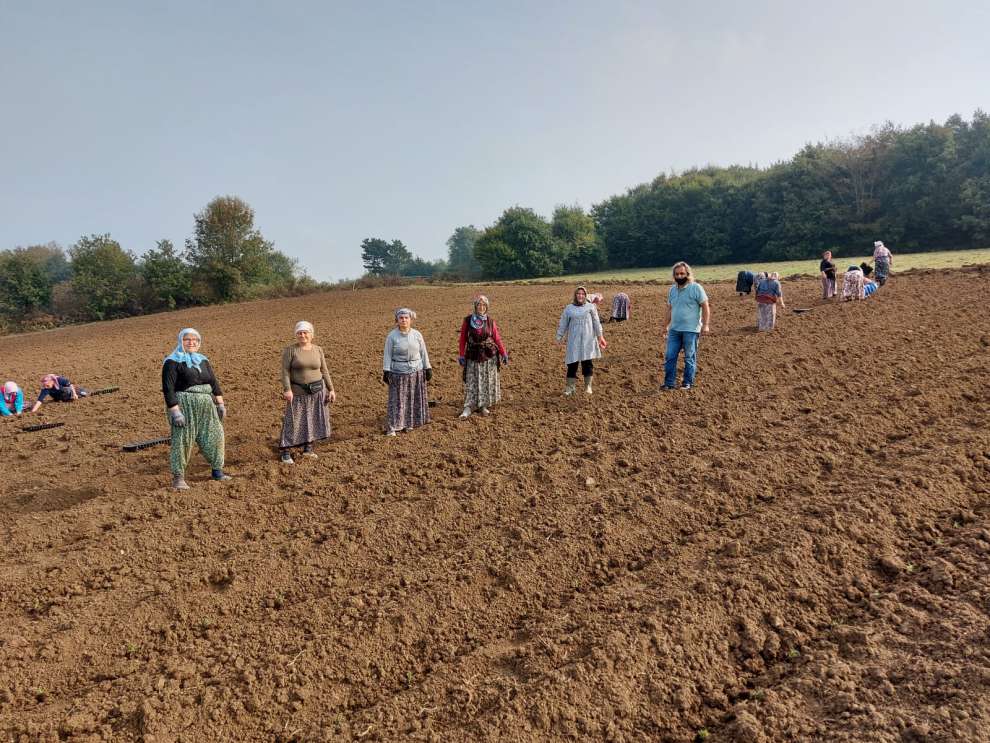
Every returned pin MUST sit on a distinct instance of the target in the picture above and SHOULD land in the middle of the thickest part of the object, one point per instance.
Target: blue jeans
(677, 340)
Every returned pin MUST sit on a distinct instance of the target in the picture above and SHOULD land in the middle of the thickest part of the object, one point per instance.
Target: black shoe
(685, 386)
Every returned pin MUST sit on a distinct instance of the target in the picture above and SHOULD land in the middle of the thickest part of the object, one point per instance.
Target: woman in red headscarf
(480, 354)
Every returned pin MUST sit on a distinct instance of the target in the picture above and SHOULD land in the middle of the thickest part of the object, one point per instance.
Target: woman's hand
(287, 395)
(602, 343)
(331, 396)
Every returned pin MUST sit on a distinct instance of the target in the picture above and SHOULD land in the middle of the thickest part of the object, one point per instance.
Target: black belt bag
(313, 387)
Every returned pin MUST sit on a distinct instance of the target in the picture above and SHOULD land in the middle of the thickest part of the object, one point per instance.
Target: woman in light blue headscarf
(195, 407)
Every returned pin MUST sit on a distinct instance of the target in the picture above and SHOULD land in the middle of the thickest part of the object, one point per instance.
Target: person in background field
(688, 315)
(827, 269)
(11, 399)
(744, 282)
(853, 284)
(883, 260)
(406, 370)
(620, 307)
(580, 323)
(308, 391)
(768, 295)
(195, 408)
(481, 353)
(59, 389)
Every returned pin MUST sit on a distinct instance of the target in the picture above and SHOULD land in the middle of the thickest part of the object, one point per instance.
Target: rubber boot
(179, 483)
(569, 386)
(587, 384)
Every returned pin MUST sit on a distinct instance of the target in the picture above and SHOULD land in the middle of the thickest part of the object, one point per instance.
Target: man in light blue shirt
(688, 315)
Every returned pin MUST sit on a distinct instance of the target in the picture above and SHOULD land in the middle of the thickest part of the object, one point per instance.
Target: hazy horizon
(337, 122)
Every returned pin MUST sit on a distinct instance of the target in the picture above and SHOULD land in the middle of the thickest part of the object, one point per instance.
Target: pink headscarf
(595, 298)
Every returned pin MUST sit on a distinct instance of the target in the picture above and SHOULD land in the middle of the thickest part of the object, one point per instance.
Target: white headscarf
(304, 325)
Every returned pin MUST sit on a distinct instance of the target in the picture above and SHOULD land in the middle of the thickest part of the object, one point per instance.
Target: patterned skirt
(828, 287)
(882, 270)
(306, 419)
(481, 384)
(408, 404)
(766, 316)
(852, 286)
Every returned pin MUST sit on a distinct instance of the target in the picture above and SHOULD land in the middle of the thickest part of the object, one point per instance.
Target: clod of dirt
(745, 729)
(891, 564)
(222, 577)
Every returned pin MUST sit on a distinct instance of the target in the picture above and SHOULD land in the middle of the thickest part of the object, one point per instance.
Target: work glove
(428, 374)
(461, 361)
(505, 359)
(385, 376)
(178, 419)
(222, 411)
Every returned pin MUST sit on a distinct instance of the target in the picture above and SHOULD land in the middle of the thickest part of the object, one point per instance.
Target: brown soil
(797, 549)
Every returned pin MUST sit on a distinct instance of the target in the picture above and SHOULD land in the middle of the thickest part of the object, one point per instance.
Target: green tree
(417, 266)
(102, 277)
(460, 252)
(167, 278)
(25, 285)
(578, 239)
(381, 258)
(519, 245)
(227, 251)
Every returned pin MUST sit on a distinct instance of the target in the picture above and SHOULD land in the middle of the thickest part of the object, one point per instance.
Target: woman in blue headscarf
(195, 407)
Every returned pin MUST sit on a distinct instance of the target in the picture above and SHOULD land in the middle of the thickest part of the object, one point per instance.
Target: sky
(405, 120)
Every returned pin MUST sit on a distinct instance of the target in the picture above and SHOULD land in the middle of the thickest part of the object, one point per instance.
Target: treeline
(226, 259)
(921, 188)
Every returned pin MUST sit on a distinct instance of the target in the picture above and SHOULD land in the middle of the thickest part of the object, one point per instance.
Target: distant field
(902, 262)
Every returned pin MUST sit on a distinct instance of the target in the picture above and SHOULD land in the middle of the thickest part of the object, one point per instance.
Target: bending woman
(308, 390)
(59, 389)
(195, 408)
(620, 307)
(406, 370)
(480, 352)
(768, 295)
(585, 340)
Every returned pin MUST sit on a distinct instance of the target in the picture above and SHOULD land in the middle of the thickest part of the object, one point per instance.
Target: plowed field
(796, 549)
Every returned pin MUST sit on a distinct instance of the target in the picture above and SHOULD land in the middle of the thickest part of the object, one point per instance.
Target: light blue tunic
(582, 328)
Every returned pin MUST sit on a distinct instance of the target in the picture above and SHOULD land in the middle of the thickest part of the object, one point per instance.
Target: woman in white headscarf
(883, 260)
(581, 326)
(308, 390)
(406, 370)
(481, 354)
(11, 399)
(195, 407)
